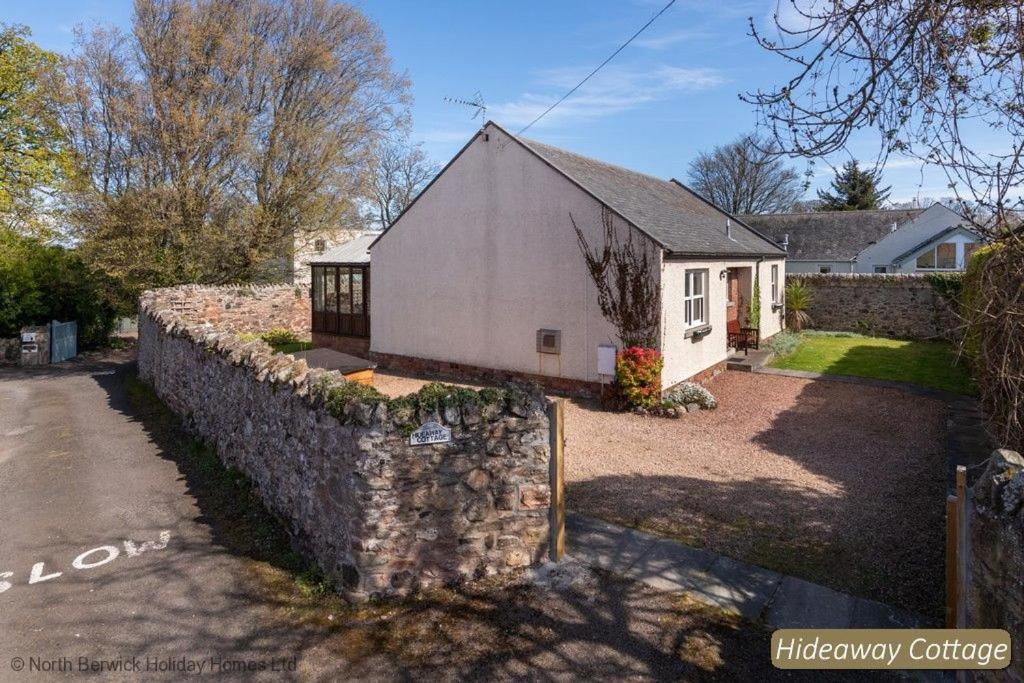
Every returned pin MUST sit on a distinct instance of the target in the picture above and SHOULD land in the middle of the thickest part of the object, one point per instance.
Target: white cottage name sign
(430, 432)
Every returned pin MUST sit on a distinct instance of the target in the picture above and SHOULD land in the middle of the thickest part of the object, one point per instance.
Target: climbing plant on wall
(625, 273)
(754, 310)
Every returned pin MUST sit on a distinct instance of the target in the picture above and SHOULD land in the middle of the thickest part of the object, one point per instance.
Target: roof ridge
(834, 211)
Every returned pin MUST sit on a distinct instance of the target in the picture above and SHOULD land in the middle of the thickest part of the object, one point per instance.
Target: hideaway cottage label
(430, 432)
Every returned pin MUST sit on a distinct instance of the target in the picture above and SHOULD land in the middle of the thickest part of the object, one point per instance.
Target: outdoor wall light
(725, 271)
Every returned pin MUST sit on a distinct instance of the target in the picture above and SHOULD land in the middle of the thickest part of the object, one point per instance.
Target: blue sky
(669, 95)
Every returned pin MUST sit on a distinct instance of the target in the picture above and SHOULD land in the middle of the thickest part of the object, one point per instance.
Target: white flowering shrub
(690, 392)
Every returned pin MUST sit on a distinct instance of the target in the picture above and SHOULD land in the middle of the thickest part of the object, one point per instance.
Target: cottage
(878, 241)
(483, 274)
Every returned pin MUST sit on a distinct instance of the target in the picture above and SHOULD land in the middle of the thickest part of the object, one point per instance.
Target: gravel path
(840, 484)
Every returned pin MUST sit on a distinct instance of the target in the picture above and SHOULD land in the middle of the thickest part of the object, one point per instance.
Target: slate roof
(356, 250)
(683, 222)
(829, 235)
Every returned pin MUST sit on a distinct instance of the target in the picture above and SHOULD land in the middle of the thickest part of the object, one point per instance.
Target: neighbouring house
(937, 239)
(307, 247)
(881, 241)
(482, 275)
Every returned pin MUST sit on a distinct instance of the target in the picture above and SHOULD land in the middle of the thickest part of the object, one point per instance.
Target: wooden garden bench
(744, 338)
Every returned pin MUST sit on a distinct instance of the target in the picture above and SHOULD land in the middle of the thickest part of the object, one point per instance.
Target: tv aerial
(477, 103)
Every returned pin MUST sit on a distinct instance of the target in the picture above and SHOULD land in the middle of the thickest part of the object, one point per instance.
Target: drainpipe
(756, 284)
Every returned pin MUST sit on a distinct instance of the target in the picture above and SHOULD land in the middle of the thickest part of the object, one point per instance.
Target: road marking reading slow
(90, 559)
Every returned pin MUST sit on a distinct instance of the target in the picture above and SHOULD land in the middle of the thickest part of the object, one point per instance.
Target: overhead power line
(599, 67)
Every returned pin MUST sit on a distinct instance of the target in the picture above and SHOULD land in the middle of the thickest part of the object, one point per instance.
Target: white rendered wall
(685, 357)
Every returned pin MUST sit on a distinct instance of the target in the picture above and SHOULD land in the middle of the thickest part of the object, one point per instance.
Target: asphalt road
(83, 486)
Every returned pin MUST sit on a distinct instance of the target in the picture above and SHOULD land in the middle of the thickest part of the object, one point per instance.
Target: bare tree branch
(941, 81)
(399, 171)
(746, 176)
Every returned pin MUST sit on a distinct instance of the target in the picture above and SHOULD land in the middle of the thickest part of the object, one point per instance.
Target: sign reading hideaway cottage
(430, 432)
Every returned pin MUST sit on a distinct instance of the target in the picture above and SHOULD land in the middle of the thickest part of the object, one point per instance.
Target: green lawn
(292, 347)
(930, 364)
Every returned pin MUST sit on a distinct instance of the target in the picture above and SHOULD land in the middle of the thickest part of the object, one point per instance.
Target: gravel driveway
(840, 484)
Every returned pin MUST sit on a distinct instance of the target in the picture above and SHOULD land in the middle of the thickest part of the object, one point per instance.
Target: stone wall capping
(332, 458)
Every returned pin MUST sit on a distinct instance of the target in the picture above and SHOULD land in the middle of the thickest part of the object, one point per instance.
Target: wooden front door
(732, 310)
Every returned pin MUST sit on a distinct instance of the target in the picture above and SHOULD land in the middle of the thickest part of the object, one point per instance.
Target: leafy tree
(217, 132)
(746, 176)
(400, 170)
(32, 149)
(40, 282)
(854, 189)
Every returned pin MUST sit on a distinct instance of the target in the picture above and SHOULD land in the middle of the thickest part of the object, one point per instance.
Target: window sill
(697, 332)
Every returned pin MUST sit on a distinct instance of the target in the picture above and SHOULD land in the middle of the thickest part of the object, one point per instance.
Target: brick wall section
(473, 373)
(355, 346)
(243, 308)
(898, 306)
(706, 375)
(995, 595)
(379, 516)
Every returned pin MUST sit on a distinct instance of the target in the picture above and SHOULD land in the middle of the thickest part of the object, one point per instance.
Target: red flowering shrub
(638, 377)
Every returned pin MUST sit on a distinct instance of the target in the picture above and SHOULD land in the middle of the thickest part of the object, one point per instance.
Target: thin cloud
(667, 40)
(613, 91)
(893, 163)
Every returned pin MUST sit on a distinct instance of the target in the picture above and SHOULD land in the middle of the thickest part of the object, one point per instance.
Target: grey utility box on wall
(549, 341)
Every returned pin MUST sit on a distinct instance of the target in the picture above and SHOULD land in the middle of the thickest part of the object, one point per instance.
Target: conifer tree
(854, 189)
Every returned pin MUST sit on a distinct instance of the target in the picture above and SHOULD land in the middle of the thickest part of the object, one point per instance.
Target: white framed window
(695, 298)
(940, 257)
(822, 268)
(775, 284)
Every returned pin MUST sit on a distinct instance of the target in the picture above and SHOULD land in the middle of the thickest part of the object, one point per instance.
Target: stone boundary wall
(380, 517)
(243, 308)
(995, 593)
(888, 305)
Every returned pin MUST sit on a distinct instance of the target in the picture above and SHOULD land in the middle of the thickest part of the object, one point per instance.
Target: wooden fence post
(963, 548)
(556, 422)
(952, 563)
(956, 552)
